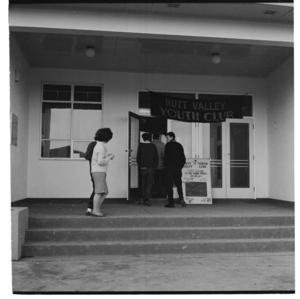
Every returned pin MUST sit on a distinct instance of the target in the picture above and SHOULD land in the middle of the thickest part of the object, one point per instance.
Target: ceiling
(160, 56)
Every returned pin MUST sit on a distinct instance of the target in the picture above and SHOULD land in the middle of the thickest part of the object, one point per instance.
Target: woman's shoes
(97, 214)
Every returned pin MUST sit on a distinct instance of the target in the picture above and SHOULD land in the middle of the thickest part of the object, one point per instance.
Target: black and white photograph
(150, 148)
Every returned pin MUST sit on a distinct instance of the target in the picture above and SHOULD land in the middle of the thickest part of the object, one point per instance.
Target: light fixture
(216, 58)
(90, 52)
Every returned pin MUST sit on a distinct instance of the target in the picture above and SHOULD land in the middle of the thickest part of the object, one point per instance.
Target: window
(71, 114)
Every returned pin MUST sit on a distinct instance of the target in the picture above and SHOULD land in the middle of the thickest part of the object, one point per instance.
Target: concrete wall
(19, 225)
(281, 132)
(54, 179)
(19, 105)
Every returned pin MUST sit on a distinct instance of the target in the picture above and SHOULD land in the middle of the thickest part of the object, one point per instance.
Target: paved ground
(249, 272)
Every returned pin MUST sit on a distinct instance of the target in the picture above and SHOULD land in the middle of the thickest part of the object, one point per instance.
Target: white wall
(19, 105)
(281, 132)
(48, 178)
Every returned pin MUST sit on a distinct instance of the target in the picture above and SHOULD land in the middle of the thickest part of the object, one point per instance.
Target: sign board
(206, 109)
(196, 181)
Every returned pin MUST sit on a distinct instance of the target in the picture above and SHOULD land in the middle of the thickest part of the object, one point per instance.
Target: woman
(99, 165)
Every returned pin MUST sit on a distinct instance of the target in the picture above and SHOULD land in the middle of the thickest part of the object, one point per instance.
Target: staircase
(81, 235)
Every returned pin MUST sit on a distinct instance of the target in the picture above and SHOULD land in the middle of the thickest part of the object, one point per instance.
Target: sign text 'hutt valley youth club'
(207, 109)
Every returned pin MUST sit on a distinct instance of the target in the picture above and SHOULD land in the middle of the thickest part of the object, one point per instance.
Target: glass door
(239, 158)
(216, 149)
(184, 135)
(133, 143)
(232, 159)
(229, 145)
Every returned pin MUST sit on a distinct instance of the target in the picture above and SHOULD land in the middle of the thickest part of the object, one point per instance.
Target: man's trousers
(147, 177)
(173, 175)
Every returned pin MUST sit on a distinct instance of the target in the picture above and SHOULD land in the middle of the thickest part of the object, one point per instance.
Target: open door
(133, 143)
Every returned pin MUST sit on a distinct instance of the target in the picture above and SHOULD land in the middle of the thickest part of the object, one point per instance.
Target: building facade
(77, 68)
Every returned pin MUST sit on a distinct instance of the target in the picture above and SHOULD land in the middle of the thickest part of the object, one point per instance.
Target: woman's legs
(98, 200)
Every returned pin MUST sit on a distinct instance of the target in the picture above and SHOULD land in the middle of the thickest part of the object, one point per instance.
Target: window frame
(71, 102)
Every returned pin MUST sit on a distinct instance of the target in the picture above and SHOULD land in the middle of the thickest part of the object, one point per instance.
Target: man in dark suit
(174, 160)
(158, 189)
(147, 160)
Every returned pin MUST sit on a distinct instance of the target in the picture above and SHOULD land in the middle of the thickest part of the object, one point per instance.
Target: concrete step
(157, 233)
(155, 221)
(81, 235)
(156, 247)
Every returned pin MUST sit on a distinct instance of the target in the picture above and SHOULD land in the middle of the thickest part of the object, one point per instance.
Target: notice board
(196, 181)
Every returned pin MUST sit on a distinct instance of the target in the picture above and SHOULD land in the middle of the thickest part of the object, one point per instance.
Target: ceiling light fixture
(90, 52)
(216, 58)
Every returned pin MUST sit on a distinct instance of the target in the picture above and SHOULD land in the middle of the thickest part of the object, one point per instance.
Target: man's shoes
(183, 203)
(88, 212)
(146, 201)
(170, 205)
(141, 202)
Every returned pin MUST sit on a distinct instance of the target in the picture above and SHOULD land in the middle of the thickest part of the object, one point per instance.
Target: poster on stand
(196, 181)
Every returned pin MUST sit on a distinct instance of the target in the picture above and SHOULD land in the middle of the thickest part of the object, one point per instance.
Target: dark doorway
(153, 125)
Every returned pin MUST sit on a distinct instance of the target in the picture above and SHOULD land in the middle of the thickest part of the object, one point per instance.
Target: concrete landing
(192, 273)
(119, 208)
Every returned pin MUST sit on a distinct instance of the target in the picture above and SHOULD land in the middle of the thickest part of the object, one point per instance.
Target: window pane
(56, 92)
(86, 121)
(216, 154)
(247, 107)
(88, 106)
(239, 156)
(56, 120)
(87, 94)
(79, 148)
(55, 149)
(144, 102)
(183, 131)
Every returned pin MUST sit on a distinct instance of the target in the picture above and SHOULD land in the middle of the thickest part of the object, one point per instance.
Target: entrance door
(232, 160)
(133, 143)
(239, 158)
(229, 145)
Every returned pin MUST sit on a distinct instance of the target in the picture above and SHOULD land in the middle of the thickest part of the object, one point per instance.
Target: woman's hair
(104, 134)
